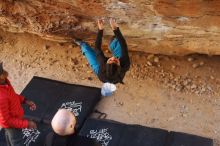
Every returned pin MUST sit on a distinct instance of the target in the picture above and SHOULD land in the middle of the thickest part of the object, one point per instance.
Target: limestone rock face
(157, 26)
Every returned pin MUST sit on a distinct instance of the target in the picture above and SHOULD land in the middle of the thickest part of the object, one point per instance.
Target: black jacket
(53, 139)
(124, 60)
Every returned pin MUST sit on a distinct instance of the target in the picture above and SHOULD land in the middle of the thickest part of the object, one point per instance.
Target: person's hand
(32, 125)
(113, 24)
(31, 105)
(101, 24)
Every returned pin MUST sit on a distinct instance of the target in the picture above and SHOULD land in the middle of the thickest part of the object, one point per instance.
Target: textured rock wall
(157, 26)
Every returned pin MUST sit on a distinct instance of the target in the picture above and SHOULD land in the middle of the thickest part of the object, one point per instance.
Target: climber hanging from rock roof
(111, 69)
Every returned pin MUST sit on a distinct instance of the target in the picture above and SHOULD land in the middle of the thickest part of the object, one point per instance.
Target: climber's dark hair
(113, 73)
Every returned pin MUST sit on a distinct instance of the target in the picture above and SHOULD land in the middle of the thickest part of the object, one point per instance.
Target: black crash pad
(111, 133)
(105, 132)
(81, 100)
(183, 139)
(43, 92)
(50, 95)
(36, 137)
(2, 138)
(136, 135)
(31, 137)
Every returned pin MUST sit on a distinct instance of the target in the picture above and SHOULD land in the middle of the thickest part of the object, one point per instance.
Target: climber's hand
(113, 24)
(101, 24)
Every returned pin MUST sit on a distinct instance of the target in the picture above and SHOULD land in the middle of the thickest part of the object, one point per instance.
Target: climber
(111, 69)
(63, 124)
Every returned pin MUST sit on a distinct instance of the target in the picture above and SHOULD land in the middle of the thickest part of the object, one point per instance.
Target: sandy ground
(174, 93)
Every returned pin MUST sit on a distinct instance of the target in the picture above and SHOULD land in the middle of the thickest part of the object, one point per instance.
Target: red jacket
(11, 111)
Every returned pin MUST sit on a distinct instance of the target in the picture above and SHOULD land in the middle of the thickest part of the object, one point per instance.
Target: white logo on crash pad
(74, 107)
(101, 136)
(30, 135)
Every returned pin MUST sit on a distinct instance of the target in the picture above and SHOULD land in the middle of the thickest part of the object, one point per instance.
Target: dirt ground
(174, 93)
